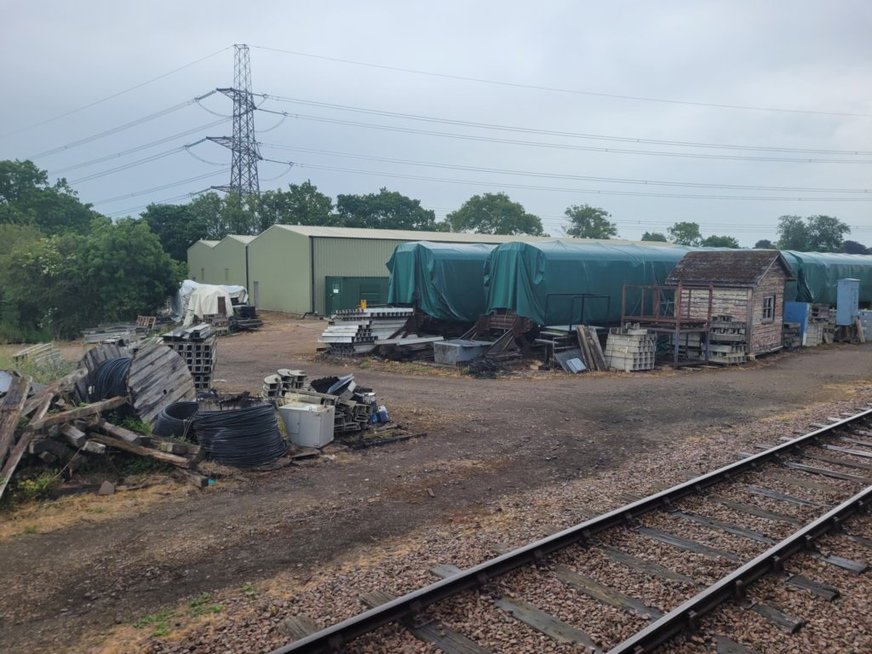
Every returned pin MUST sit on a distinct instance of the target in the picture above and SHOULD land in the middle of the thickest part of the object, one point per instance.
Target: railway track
(645, 576)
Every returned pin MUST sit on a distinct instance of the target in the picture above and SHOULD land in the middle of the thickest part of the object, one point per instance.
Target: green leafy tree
(826, 233)
(494, 213)
(793, 234)
(720, 242)
(27, 198)
(586, 221)
(764, 244)
(685, 233)
(301, 204)
(177, 226)
(385, 210)
(654, 236)
(853, 247)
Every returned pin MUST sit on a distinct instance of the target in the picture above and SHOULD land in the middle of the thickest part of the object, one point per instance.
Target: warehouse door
(347, 292)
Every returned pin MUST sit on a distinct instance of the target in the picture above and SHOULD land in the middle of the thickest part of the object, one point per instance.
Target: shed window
(227, 274)
(769, 308)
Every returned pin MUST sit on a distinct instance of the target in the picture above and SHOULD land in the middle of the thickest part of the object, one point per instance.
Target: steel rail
(687, 615)
(333, 638)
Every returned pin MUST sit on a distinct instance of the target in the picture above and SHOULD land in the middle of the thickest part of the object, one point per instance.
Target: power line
(111, 97)
(162, 187)
(175, 198)
(138, 148)
(588, 178)
(121, 128)
(559, 146)
(581, 190)
(564, 134)
(132, 164)
(552, 89)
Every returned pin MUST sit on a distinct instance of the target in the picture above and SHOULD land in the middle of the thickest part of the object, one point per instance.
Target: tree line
(66, 267)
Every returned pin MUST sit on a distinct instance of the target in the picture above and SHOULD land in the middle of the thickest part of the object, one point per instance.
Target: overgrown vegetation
(30, 485)
(158, 622)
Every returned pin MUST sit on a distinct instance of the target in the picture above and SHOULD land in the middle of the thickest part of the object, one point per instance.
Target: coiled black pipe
(243, 438)
(110, 379)
(175, 420)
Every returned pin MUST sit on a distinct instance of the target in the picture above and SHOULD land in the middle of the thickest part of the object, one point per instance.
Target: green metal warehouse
(220, 262)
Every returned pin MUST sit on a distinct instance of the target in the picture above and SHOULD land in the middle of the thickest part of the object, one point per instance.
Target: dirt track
(485, 439)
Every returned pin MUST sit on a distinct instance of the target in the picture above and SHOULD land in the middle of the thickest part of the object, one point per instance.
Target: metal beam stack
(357, 331)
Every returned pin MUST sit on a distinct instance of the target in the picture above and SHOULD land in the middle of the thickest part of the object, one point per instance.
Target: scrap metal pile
(359, 331)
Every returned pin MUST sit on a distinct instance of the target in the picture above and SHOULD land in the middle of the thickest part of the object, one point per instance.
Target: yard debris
(631, 348)
(197, 345)
(37, 354)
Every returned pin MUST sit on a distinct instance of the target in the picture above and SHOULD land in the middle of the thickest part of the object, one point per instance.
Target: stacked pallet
(197, 345)
(790, 335)
(630, 349)
(42, 354)
(357, 331)
(728, 342)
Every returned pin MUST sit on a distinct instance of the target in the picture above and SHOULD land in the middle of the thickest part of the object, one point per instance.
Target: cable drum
(110, 379)
(175, 420)
(244, 438)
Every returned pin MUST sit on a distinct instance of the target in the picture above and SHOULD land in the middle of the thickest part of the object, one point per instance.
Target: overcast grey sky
(812, 58)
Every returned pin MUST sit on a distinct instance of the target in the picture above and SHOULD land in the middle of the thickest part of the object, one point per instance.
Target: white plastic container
(308, 425)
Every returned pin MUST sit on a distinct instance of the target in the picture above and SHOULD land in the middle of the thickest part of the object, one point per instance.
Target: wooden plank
(606, 595)
(855, 567)
(735, 530)
(862, 540)
(597, 349)
(755, 510)
(117, 443)
(865, 454)
(10, 411)
(448, 640)
(545, 623)
(118, 432)
(298, 626)
(643, 565)
(826, 472)
(74, 436)
(585, 350)
(76, 414)
(14, 457)
(856, 441)
(839, 461)
(445, 570)
(824, 591)
(800, 481)
(726, 646)
(782, 497)
(778, 618)
(686, 544)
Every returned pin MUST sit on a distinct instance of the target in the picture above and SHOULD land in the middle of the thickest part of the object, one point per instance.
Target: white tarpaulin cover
(195, 299)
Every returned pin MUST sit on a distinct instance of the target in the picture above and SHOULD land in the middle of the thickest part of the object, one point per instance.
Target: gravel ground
(400, 565)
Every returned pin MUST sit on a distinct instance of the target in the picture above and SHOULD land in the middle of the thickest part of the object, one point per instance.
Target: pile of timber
(68, 436)
(591, 350)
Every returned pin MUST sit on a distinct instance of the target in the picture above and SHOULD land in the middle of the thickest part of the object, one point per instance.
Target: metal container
(308, 425)
(847, 301)
(459, 350)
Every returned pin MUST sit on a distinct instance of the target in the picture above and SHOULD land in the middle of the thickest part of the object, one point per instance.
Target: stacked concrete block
(630, 349)
(728, 343)
(284, 381)
(198, 347)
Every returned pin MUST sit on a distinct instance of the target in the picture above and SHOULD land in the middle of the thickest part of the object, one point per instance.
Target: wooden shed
(747, 286)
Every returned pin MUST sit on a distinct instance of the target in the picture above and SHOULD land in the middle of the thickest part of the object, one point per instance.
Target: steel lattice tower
(243, 144)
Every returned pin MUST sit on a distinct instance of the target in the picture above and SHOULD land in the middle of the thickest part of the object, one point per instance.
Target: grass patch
(141, 465)
(158, 622)
(202, 605)
(248, 590)
(30, 485)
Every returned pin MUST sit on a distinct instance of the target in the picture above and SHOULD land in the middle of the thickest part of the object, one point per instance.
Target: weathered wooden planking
(158, 377)
(824, 591)
(91, 361)
(76, 414)
(735, 530)
(725, 645)
(603, 593)
(800, 481)
(780, 619)
(782, 497)
(648, 567)
(178, 461)
(448, 640)
(755, 510)
(826, 472)
(687, 544)
(10, 411)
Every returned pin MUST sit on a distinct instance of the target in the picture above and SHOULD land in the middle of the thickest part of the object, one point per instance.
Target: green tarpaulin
(444, 280)
(560, 283)
(817, 273)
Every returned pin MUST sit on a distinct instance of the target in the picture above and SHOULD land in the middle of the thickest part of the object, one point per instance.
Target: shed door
(347, 292)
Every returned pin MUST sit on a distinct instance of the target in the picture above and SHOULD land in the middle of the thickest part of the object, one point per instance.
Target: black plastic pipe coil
(175, 420)
(110, 378)
(244, 438)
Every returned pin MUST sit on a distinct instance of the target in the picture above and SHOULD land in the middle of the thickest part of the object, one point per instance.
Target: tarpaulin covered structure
(817, 273)
(444, 280)
(196, 300)
(561, 283)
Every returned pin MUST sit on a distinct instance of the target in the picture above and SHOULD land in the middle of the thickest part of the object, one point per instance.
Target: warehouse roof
(411, 235)
(241, 238)
(210, 244)
(726, 267)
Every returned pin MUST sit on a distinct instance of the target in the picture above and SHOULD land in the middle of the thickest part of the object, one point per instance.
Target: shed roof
(726, 267)
(444, 237)
(242, 238)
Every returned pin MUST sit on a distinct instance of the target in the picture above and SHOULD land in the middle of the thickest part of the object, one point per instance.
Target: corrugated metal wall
(200, 262)
(228, 265)
(279, 271)
(348, 257)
